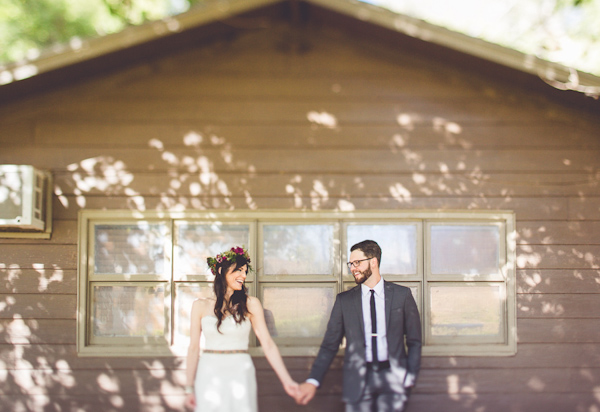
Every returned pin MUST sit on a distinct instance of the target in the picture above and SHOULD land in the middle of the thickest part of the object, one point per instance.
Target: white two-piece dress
(225, 378)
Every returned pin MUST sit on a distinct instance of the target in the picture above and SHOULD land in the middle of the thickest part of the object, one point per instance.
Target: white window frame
(423, 219)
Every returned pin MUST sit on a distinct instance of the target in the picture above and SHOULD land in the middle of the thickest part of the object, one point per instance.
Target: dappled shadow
(419, 154)
(558, 274)
(40, 370)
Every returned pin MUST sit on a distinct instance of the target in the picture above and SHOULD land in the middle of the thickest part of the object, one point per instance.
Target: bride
(224, 378)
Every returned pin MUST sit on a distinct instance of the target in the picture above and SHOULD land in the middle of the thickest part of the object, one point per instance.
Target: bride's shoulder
(204, 305)
(253, 302)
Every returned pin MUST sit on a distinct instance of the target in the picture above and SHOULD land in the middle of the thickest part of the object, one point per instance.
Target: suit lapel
(389, 294)
(357, 304)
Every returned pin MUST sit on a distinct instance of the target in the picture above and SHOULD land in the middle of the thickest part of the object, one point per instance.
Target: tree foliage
(29, 26)
(561, 31)
(565, 31)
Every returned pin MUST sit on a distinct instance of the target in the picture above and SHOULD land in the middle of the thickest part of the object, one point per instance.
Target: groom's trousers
(383, 393)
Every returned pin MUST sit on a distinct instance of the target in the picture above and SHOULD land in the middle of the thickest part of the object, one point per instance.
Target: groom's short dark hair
(370, 248)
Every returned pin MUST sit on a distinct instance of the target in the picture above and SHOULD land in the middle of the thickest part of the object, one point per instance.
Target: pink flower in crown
(238, 250)
(219, 258)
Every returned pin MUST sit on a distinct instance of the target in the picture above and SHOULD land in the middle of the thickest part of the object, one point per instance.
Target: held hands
(302, 393)
(291, 388)
(305, 393)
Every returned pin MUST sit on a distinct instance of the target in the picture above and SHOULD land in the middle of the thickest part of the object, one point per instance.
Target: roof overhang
(80, 51)
(553, 73)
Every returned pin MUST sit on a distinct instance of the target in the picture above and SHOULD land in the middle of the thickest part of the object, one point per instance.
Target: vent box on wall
(23, 203)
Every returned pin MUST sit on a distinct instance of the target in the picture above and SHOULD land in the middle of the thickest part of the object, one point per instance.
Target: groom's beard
(361, 277)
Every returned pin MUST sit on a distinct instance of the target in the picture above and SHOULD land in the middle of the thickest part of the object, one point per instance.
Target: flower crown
(230, 256)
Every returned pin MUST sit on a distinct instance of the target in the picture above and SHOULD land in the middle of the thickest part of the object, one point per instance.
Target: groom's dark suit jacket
(402, 318)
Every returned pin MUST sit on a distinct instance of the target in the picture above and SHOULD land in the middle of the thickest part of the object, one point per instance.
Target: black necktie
(374, 330)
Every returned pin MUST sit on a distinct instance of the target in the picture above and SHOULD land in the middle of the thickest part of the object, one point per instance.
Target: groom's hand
(306, 393)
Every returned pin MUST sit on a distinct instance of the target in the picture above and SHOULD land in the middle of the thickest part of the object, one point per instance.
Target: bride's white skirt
(226, 383)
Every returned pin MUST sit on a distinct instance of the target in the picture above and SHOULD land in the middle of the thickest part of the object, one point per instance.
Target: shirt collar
(378, 289)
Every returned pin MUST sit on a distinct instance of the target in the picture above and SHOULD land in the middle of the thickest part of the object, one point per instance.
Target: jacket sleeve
(331, 342)
(412, 324)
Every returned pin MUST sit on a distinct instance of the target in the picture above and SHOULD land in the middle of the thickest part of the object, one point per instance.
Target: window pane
(414, 290)
(130, 249)
(466, 310)
(398, 246)
(125, 311)
(298, 249)
(297, 311)
(196, 242)
(185, 296)
(468, 250)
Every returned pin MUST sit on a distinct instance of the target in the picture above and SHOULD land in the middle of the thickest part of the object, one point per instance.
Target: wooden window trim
(87, 218)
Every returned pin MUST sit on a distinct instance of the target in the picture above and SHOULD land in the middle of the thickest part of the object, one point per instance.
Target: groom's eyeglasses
(356, 263)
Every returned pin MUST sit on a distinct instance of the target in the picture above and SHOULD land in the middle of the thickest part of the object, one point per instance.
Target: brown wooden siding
(257, 122)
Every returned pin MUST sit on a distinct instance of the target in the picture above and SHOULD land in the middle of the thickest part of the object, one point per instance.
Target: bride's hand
(190, 400)
(291, 388)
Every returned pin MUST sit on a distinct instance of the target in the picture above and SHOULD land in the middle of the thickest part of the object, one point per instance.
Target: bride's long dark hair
(237, 305)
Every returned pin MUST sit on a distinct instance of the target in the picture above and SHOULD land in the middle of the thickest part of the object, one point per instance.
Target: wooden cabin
(297, 128)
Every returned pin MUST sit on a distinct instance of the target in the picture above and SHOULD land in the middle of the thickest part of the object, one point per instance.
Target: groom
(375, 317)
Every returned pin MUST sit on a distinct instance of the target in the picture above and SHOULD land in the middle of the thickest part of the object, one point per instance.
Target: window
(140, 272)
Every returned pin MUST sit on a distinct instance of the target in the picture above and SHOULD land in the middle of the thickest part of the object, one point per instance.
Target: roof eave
(559, 76)
(78, 51)
(556, 74)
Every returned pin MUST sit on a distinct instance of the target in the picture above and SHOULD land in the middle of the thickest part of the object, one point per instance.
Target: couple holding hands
(379, 320)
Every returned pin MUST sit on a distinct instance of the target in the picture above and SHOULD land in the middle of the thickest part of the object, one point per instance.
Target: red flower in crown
(230, 255)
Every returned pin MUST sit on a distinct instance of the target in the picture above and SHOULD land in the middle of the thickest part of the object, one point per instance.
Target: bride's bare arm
(257, 317)
(193, 353)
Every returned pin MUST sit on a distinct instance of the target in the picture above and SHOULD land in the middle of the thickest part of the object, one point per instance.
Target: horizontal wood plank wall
(260, 121)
